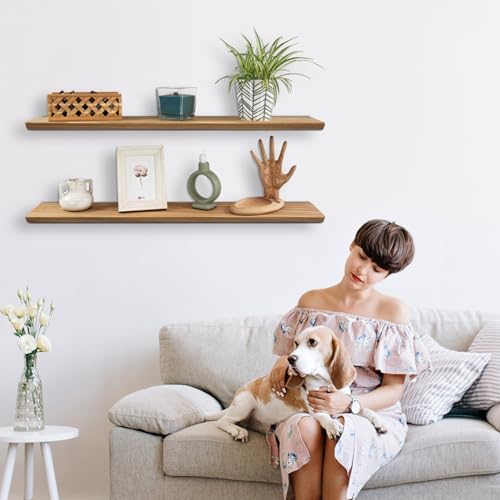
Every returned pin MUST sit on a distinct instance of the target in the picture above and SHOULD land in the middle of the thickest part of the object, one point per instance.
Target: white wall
(410, 97)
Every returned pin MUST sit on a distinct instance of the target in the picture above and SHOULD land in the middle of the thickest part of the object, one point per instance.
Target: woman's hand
(329, 400)
(278, 376)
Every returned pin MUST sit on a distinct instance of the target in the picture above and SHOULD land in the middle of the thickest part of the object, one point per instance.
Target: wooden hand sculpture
(271, 173)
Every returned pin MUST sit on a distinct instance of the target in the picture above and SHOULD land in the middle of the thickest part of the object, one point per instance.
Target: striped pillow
(431, 395)
(485, 392)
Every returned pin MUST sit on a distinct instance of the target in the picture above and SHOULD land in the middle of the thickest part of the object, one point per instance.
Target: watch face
(355, 406)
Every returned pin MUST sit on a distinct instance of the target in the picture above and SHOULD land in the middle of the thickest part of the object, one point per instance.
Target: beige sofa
(162, 450)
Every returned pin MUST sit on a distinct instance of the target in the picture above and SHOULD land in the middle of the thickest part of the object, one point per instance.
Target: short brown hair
(389, 245)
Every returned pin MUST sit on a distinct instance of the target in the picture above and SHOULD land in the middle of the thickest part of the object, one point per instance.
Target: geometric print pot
(253, 100)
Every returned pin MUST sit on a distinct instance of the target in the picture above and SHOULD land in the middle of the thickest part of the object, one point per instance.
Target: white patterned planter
(253, 100)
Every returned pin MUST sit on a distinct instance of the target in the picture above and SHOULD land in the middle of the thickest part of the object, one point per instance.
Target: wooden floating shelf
(196, 123)
(106, 212)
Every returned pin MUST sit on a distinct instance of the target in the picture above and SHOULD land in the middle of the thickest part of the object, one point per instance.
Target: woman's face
(360, 271)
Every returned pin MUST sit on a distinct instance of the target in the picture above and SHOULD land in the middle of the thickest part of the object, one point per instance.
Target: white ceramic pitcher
(76, 195)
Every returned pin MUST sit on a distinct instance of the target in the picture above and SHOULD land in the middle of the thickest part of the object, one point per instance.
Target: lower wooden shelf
(107, 212)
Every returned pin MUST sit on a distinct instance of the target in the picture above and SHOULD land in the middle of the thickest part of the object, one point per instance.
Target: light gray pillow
(485, 391)
(431, 395)
(163, 409)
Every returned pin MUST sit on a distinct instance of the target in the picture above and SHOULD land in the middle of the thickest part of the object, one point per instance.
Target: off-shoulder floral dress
(376, 347)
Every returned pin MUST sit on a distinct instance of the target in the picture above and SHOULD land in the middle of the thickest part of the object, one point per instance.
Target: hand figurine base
(256, 206)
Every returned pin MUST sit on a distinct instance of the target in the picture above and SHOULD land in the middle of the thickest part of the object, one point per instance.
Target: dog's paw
(240, 434)
(379, 426)
(334, 429)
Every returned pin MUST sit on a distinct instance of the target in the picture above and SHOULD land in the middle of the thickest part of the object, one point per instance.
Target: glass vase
(29, 404)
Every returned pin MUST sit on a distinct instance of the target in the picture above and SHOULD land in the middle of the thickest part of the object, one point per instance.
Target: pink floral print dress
(376, 347)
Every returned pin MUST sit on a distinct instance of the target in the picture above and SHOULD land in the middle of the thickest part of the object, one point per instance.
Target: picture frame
(140, 174)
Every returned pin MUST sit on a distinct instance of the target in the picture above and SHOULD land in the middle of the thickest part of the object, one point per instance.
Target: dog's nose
(292, 359)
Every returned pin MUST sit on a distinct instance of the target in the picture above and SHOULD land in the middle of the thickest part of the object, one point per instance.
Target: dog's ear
(341, 368)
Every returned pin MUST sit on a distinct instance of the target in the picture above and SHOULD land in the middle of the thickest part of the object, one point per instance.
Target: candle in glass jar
(176, 105)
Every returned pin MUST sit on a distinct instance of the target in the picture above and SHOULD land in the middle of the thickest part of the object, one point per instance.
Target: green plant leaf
(268, 62)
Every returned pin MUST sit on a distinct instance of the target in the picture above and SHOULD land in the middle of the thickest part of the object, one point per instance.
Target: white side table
(50, 434)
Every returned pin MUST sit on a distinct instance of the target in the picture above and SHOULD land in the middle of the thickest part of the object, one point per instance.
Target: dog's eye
(296, 344)
(312, 342)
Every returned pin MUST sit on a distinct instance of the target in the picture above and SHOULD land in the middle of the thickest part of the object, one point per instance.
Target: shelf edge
(152, 123)
(36, 216)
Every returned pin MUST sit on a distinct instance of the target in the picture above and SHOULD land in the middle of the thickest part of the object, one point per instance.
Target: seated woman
(383, 347)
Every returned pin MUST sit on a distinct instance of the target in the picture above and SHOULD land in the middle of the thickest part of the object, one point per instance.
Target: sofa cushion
(449, 448)
(453, 447)
(219, 356)
(454, 329)
(431, 395)
(485, 392)
(204, 450)
(163, 409)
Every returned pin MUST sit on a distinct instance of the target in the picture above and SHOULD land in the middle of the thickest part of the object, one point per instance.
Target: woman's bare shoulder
(313, 299)
(393, 309)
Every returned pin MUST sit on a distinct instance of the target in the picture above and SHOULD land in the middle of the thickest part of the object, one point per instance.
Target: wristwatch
(355, 406)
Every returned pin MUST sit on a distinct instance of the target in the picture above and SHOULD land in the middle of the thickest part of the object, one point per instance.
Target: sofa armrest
(163, 409)
(493, 416)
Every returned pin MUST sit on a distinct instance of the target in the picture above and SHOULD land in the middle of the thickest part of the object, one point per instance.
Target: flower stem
(30, 362)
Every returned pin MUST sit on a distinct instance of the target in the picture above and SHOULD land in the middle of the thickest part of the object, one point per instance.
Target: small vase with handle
(76, 195)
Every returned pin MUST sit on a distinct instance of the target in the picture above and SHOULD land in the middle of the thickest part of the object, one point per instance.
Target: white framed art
(140, 172)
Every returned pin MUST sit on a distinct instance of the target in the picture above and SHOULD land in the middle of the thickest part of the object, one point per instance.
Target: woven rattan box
(88, 106)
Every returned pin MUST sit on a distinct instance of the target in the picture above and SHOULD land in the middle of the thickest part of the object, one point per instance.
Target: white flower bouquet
(30, 323)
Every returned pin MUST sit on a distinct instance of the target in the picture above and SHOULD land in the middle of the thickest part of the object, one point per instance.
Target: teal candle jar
(176, 103)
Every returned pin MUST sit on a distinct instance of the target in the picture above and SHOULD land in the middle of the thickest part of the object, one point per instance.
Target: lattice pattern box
(88, 106)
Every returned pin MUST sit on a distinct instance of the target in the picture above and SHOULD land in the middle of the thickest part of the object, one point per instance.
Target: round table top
(50, 434)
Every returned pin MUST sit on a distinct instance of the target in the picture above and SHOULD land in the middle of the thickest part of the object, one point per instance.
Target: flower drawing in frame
(141, 178)
(140, 171)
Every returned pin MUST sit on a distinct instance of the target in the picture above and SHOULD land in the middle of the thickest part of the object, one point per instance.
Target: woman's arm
(387, 394)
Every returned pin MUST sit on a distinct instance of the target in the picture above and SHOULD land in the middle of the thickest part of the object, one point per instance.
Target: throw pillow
(430, 395)
(163, 409)
(485, 391)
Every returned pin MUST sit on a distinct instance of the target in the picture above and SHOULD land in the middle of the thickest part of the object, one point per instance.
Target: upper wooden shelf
(293, 211)
(196, 123)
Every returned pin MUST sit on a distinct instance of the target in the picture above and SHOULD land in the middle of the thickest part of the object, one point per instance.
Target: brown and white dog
(319, 359)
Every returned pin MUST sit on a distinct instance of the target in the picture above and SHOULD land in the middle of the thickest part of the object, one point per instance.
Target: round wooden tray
(255, 206)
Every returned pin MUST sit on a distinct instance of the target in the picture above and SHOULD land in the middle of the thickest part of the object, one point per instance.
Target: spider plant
(268, 62)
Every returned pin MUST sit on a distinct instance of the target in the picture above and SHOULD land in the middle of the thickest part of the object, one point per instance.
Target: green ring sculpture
(202, 202)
